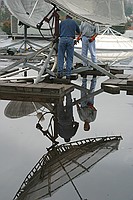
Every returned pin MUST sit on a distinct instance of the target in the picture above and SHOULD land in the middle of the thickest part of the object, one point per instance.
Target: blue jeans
(92, 89)
(66, 45)
(88, 46)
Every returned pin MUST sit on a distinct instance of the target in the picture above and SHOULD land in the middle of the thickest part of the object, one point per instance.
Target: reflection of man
(87, 112)
(67, 127)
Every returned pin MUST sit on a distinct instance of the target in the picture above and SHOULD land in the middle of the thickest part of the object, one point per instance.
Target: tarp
(31, 12)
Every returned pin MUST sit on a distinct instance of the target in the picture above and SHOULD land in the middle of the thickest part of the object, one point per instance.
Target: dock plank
(45, 92)
(111, 82)
(123, 76)
(130, 82)
(124, 81)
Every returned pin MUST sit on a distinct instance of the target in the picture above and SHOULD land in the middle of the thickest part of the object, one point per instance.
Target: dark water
(22, 145)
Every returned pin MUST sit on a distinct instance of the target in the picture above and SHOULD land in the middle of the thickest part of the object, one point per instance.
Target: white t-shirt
(87, 113)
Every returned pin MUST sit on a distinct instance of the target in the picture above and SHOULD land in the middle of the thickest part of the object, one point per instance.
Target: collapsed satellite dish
(31, 12)
(18, 109)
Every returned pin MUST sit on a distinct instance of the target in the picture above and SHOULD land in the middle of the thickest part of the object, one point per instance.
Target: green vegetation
(6, 27)
(128, 7)
(5, 22)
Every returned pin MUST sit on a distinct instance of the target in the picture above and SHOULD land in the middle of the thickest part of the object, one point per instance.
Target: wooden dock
(122, 82)
(52, 92)
(13, 88)
(41, 92)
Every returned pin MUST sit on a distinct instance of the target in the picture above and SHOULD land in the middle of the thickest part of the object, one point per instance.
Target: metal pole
(45, 65)
(71, 181)
(94, 65)
(87, 96)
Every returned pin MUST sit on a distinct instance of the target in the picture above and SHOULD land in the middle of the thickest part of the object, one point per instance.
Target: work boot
(60, 76)
(68, 78)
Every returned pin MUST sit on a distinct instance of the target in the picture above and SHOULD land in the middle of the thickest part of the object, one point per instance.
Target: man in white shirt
(88, 34)
(86, 111)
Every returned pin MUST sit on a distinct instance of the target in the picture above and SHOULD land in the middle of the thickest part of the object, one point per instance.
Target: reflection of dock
(121, 82)
(41, 92)
(52, 90)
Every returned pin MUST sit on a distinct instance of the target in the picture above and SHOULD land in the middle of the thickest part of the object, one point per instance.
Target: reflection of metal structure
(50, 132)
(63, 164)
(17, 109)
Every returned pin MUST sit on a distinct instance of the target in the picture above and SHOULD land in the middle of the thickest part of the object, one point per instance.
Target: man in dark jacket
(67, 30)
(67, 127)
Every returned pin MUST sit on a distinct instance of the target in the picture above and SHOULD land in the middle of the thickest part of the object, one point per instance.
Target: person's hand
(77, 39)
(75, 42)
(92, 38)
(75, 100)
(76, 103)
(92, 107)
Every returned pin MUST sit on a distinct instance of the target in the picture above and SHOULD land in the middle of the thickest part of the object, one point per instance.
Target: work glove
(92, 38)
(77, 39)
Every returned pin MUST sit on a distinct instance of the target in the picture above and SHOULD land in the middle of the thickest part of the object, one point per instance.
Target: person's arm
(92, 106)
(77, 29)
(77, 39)
(93, 114)
(95, 34)
(78, 107)
(75, 127)
(93, 37)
